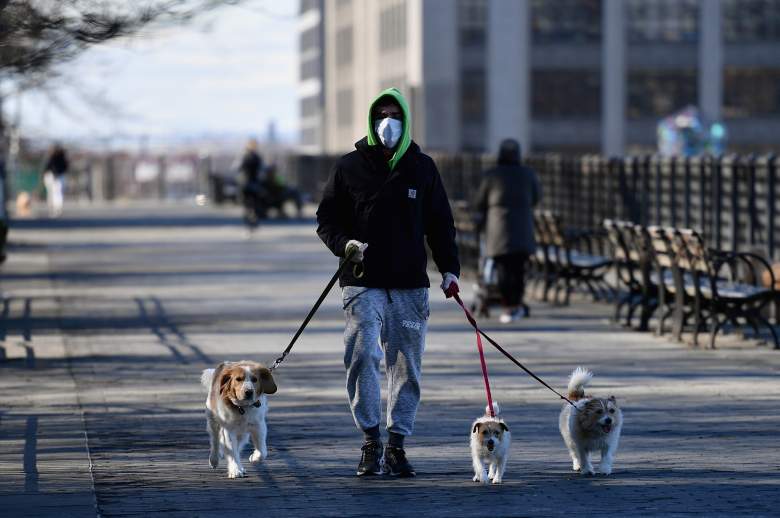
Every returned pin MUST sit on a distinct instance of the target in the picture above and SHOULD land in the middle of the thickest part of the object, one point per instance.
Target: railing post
(645, 176)
(735, 164)
(751, 169)
(771, 203)
(687, 192)
(717, 193)
(672, 164)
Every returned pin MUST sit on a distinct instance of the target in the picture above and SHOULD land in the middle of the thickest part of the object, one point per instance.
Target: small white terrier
(592, 424)
(235, 410)
(490, 440)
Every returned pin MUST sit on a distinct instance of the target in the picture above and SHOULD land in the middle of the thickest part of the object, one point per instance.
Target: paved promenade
(109, 315)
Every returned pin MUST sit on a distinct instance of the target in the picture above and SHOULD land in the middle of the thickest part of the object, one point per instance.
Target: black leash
(505, 353)
(358, 271)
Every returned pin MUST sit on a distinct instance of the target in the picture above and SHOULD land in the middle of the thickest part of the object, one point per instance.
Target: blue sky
(232, 71)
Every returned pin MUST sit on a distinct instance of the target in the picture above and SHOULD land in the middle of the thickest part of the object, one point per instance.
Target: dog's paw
(497, 480)
(588, 472)
(213, 461)
(605, 470)
(256, 457)
(476, 478)
(575, 467)
(236, 472)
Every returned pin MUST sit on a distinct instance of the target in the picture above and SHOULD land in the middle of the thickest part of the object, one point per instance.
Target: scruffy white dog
(490, 440)
(235, 409)
(592, 424)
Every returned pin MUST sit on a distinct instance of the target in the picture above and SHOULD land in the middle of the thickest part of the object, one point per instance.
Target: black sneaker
(371, 459)
(396, 464)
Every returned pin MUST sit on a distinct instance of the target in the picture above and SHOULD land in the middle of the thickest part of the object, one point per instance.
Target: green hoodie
(406, 134)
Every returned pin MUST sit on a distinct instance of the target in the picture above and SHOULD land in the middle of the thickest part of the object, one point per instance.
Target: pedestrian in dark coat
(504, 209)
(252, 192)
(381, 204)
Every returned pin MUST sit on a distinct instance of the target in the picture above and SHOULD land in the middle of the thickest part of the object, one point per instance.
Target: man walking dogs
(384, 200)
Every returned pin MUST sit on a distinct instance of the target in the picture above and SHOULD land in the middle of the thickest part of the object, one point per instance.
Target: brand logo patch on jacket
(413, 193)
(410, 324)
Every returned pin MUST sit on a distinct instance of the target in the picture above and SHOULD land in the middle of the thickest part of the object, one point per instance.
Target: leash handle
(511, 358)
(313, 310)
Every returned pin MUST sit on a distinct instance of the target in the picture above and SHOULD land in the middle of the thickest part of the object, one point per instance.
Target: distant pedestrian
(387, 196)
(504, 209)
(252, 190)
(54, 179)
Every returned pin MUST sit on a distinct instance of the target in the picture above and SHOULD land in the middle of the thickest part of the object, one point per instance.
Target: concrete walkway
(110, 314)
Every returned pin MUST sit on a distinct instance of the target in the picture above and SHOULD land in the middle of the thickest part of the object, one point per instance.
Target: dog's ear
(504, 426)
(476, 428)
(267, 383)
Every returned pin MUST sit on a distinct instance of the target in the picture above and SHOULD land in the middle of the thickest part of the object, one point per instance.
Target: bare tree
(38, 36)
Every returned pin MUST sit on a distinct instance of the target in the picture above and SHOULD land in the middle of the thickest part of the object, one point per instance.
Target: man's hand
(449, 284)
(359, 247)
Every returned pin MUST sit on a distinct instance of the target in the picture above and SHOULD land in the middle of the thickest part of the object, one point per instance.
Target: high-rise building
(311, 88)
(559, 75)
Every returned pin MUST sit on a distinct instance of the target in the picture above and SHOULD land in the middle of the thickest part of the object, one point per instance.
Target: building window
(751, 21)
(658, 93)
(344, 47)
(310, 38)
(751, 92)
(310, 68)
(472, 19)
(566, 21)
(308, 5)
(472, 96)
(393, 82)
(662, 21)
(344, 107)
(310, 106)
(309, 136)
(392, 27)
(570, 94)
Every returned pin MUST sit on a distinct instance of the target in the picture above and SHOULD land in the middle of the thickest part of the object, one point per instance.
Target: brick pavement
(111, 315)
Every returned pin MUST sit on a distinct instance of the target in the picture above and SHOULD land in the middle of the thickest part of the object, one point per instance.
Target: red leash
(481, 354)
(452, 291)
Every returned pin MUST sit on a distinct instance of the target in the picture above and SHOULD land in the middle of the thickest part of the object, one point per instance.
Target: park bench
(725, 287)
(672, 271)
(632, 261)
(570, 260)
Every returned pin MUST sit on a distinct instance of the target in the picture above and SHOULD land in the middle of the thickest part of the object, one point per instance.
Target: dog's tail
(496, 409)
(206, 377)
(577, 382)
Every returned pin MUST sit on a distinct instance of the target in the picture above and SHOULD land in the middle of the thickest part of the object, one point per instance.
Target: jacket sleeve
(440, 228)
(333, 214)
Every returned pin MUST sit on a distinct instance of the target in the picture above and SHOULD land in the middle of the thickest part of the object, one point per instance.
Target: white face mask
(389, 131)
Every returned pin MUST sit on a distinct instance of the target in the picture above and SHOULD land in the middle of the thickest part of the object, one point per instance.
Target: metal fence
(731, 200)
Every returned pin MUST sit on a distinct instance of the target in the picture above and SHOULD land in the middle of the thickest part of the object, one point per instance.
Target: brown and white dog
(235, 410)
(490, 441)
(592, 424)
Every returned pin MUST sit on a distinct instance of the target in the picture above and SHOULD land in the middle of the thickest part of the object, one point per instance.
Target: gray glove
(353, 244)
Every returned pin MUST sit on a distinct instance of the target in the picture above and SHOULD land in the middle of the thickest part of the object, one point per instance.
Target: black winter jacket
(391, 211)
(504, 204)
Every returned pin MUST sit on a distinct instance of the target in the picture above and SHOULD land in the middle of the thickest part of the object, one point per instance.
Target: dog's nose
(608, 420)
(490, 443)
(248, 393)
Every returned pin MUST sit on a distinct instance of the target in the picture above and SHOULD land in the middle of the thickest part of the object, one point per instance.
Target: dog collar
(241, 410)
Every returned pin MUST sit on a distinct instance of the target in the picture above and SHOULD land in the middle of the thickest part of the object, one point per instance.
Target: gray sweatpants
(392, 322)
